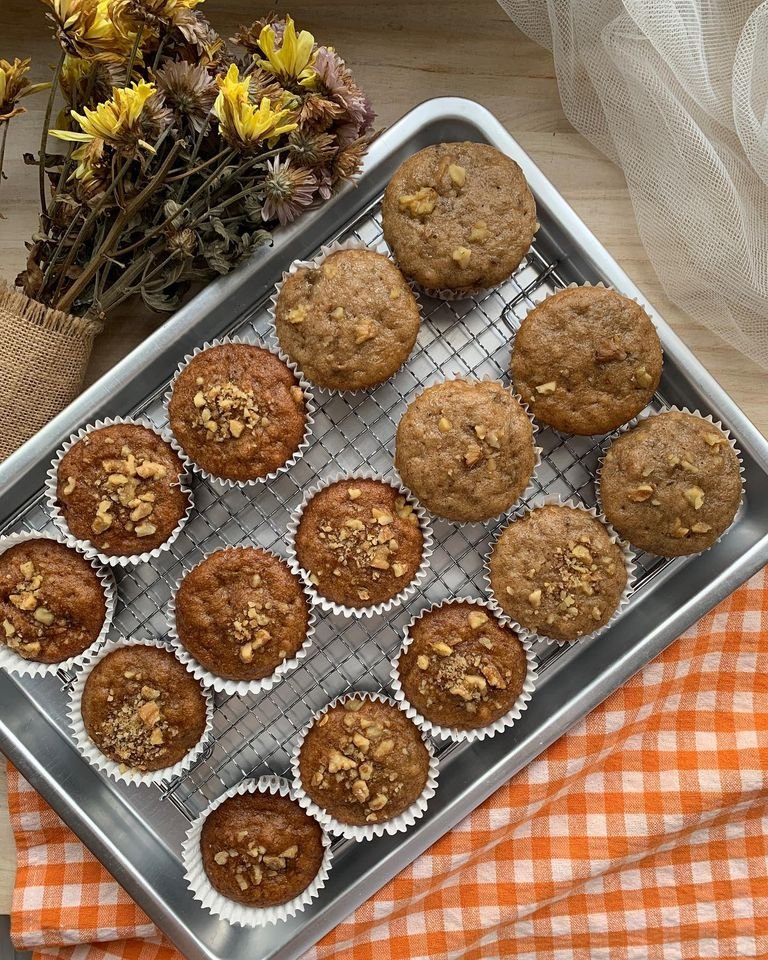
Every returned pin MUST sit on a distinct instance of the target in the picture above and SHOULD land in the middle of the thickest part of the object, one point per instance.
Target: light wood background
(402, 53)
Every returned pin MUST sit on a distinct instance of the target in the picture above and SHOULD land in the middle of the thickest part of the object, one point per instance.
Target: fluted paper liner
(626, 594)
(240, 687)
(85, 546)
(221, 906)
(93, 754)
(398, 824)
(309, 407)
(15, 663)
(531, 487)
(330, 606)
(325, 251)
(475, 733)
(635, 421)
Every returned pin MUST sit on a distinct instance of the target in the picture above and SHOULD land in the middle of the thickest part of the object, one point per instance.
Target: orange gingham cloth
(642, 833)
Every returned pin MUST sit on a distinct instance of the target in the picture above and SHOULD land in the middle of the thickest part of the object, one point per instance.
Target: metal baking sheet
(137, 832)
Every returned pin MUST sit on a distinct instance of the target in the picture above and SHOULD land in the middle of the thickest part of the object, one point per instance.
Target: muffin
(462, 668)
(118, 488)
(350, 322)
(238, 411)
(586, 360)
(359, 542)
(241, 613)
(52, 603)
(261, 849)
(465, 449)
(363, 761)
(459, 216)
(557, 572)
(142, 708)
(672, 484)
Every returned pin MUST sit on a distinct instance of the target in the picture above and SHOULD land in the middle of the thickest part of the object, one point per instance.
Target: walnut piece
(419, 204)
(462, 256)
(546, 388)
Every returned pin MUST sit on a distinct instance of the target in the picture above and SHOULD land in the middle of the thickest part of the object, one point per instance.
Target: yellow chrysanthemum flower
(14, 85)
(294, 59)
(116, 122)
(244, 124)
(86, 29)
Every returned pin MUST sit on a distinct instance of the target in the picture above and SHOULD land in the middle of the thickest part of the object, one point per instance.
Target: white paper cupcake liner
(532, 486)
(239, 687)
(626, 595)
(85, 546)
(325, 251)
(330, 606)
(477, 733)
(15, 663)
(467, 293)
(309, 406)
(221, 906)
(635, 421)
(93, 754)
(398, 824)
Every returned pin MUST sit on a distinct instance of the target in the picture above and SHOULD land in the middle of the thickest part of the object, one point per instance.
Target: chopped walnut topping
(296, 315)
(695, 496)
(419, 204)
(477, 618)
(353, 493)
(69, 486)
(228, 411)
(700, 527)
(534, 598)
(643, 377)
(479, 232)
(678, 530)
(457, 174)
(442, 649)
(364, 332)
(641, 493)
(462, 256)
(338, 313)
(546, 388)
(444, 424)
(714, 439)
(394, 293)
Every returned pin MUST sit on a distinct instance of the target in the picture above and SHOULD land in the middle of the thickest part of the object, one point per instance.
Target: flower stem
(44, 135)
(105, 249)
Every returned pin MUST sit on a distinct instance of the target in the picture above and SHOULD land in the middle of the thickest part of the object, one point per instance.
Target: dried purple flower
(189, 90)
(287, 190)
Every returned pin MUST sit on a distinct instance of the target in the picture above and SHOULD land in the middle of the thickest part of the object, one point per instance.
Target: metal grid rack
(254, 734)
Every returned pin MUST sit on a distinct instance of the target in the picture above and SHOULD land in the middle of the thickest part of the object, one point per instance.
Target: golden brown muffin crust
(586, 360)
(557, 572)
(464, 668)
(364, 762)
(52, 604)
(672, 484)
(238, 411)
(118, 488)
(261, 849)
(349, 323)
(360, 541)
(241, 613)
(142, 708)
(458, 216)
(465, 449)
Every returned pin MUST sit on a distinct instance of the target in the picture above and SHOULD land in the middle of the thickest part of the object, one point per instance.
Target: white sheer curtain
(676, 93)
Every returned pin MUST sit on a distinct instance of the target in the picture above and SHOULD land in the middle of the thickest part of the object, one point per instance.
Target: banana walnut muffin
(463, 668)
(52, 602)
(241, 613)
(142, 708)
(556, 571)
(261, 849)
(359, 541)
(118, 488)
(459, 216)
(672, 484)
(363, 762)
(465, 449)
(238, 411)
(350, 322)
(586, 360)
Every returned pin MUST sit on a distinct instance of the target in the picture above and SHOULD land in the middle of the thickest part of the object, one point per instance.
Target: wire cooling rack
(255, 734)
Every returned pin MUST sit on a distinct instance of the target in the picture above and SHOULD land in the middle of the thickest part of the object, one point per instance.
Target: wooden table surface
(402, 53)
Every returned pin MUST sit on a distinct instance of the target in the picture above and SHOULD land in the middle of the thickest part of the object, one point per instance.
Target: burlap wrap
(43, 356)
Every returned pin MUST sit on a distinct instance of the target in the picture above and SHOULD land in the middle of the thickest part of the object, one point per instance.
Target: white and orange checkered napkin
(643, 833)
